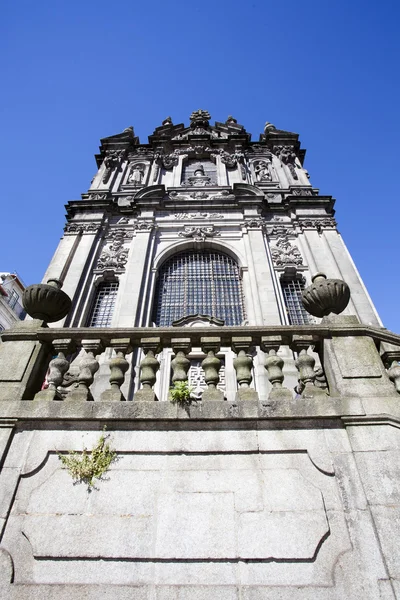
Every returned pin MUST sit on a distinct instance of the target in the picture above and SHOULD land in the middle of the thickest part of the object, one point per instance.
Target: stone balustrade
(32, 353)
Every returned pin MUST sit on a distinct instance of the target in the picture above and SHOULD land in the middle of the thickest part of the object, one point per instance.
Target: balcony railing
(348, 352)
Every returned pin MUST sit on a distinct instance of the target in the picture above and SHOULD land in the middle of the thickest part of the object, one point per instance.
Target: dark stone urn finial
(46, 301)
(325, 296)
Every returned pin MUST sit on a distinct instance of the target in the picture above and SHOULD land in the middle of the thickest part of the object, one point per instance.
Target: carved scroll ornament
(284, 253)
(199, 234)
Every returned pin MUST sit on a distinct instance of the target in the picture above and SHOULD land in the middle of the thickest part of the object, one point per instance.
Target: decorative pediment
(198, 321)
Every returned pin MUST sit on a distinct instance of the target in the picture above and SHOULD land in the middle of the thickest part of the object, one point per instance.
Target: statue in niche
(136, 175)
(262, 171)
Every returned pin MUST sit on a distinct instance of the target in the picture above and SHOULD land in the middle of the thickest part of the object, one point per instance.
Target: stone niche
(178, 507)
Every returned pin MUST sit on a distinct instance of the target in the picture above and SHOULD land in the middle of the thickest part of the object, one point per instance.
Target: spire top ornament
(200, 118)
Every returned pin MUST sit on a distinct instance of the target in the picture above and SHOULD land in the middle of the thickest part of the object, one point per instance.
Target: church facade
(209, 408)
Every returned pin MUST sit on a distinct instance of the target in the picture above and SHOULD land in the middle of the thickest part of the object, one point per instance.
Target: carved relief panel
(136, 174)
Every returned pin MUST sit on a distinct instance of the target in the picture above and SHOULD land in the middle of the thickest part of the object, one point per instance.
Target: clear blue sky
(73, 72)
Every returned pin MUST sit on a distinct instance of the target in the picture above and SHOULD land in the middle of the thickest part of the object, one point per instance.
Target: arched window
(194, 282)
(292, 290)
(103, 304)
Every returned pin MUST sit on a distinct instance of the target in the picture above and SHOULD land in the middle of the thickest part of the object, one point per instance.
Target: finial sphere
(325, 296)
(46, 301)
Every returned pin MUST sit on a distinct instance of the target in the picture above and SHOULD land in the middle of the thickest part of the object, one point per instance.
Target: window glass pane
(103, 305)
(193, 282)
(292, 295)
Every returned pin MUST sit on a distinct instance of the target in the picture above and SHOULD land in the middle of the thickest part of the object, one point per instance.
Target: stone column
(263, 278)
(132, 293)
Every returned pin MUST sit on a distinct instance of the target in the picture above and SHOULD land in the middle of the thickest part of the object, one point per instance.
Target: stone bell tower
(212, 320)
(201, 223)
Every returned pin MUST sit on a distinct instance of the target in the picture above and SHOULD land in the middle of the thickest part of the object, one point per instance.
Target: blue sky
(74, 72)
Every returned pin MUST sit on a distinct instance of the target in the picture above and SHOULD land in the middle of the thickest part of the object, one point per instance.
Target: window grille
(292, 290)
(103, 304)
(194, 282)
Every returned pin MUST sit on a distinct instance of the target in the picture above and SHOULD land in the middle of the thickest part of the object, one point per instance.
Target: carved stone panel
(285, 253)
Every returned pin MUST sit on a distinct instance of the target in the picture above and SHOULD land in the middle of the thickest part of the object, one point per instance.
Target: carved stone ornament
(119, 234)
(136, 174)
(114, 256)
(287, 156)
(280, 230)
(198, 215)
(284, 253)
(318, 224)
(254, 223)
(81, 227)
(199, 234)
(262, 169)
(200, 118)
(46, 301)
(302, 191)
(112, 160)
(144, 225)
(325, 296)
(97, 196)
(141, 153)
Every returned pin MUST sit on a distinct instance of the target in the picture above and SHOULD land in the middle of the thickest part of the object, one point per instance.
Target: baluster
(180, 364)
(394, 374)
(305, 365)
(211, 366)
(148, 369)
(274, 365)
(118, 367)
(390, 358)
(88, 366)
(57, 369)
(243, 364)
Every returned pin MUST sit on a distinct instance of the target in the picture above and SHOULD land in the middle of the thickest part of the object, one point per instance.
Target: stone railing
(348, 351)
(35, 359)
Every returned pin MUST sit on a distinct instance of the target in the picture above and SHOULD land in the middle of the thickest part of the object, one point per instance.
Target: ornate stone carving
(287, 156)
(144, 225)
(97, 196)
(136, 174)
(284, 253)
(254, 223)
(262, 170)
(199, 178)
(302, 191)
(120, 234)
(230, 160)
(318, 224)
(81, 227)
(200, 118)
(325, 296)
(199, 234)
(225, 194)
(112, 160)
(141, 153)
(198, 215)
(280, 230)
(199, 195)
(170, 160)
(114, 256)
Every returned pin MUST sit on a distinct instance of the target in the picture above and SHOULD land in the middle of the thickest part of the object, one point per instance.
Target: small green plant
(90, 464)
(180, 392)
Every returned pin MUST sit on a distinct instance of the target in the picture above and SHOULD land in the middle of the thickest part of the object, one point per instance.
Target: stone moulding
(74, 228)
